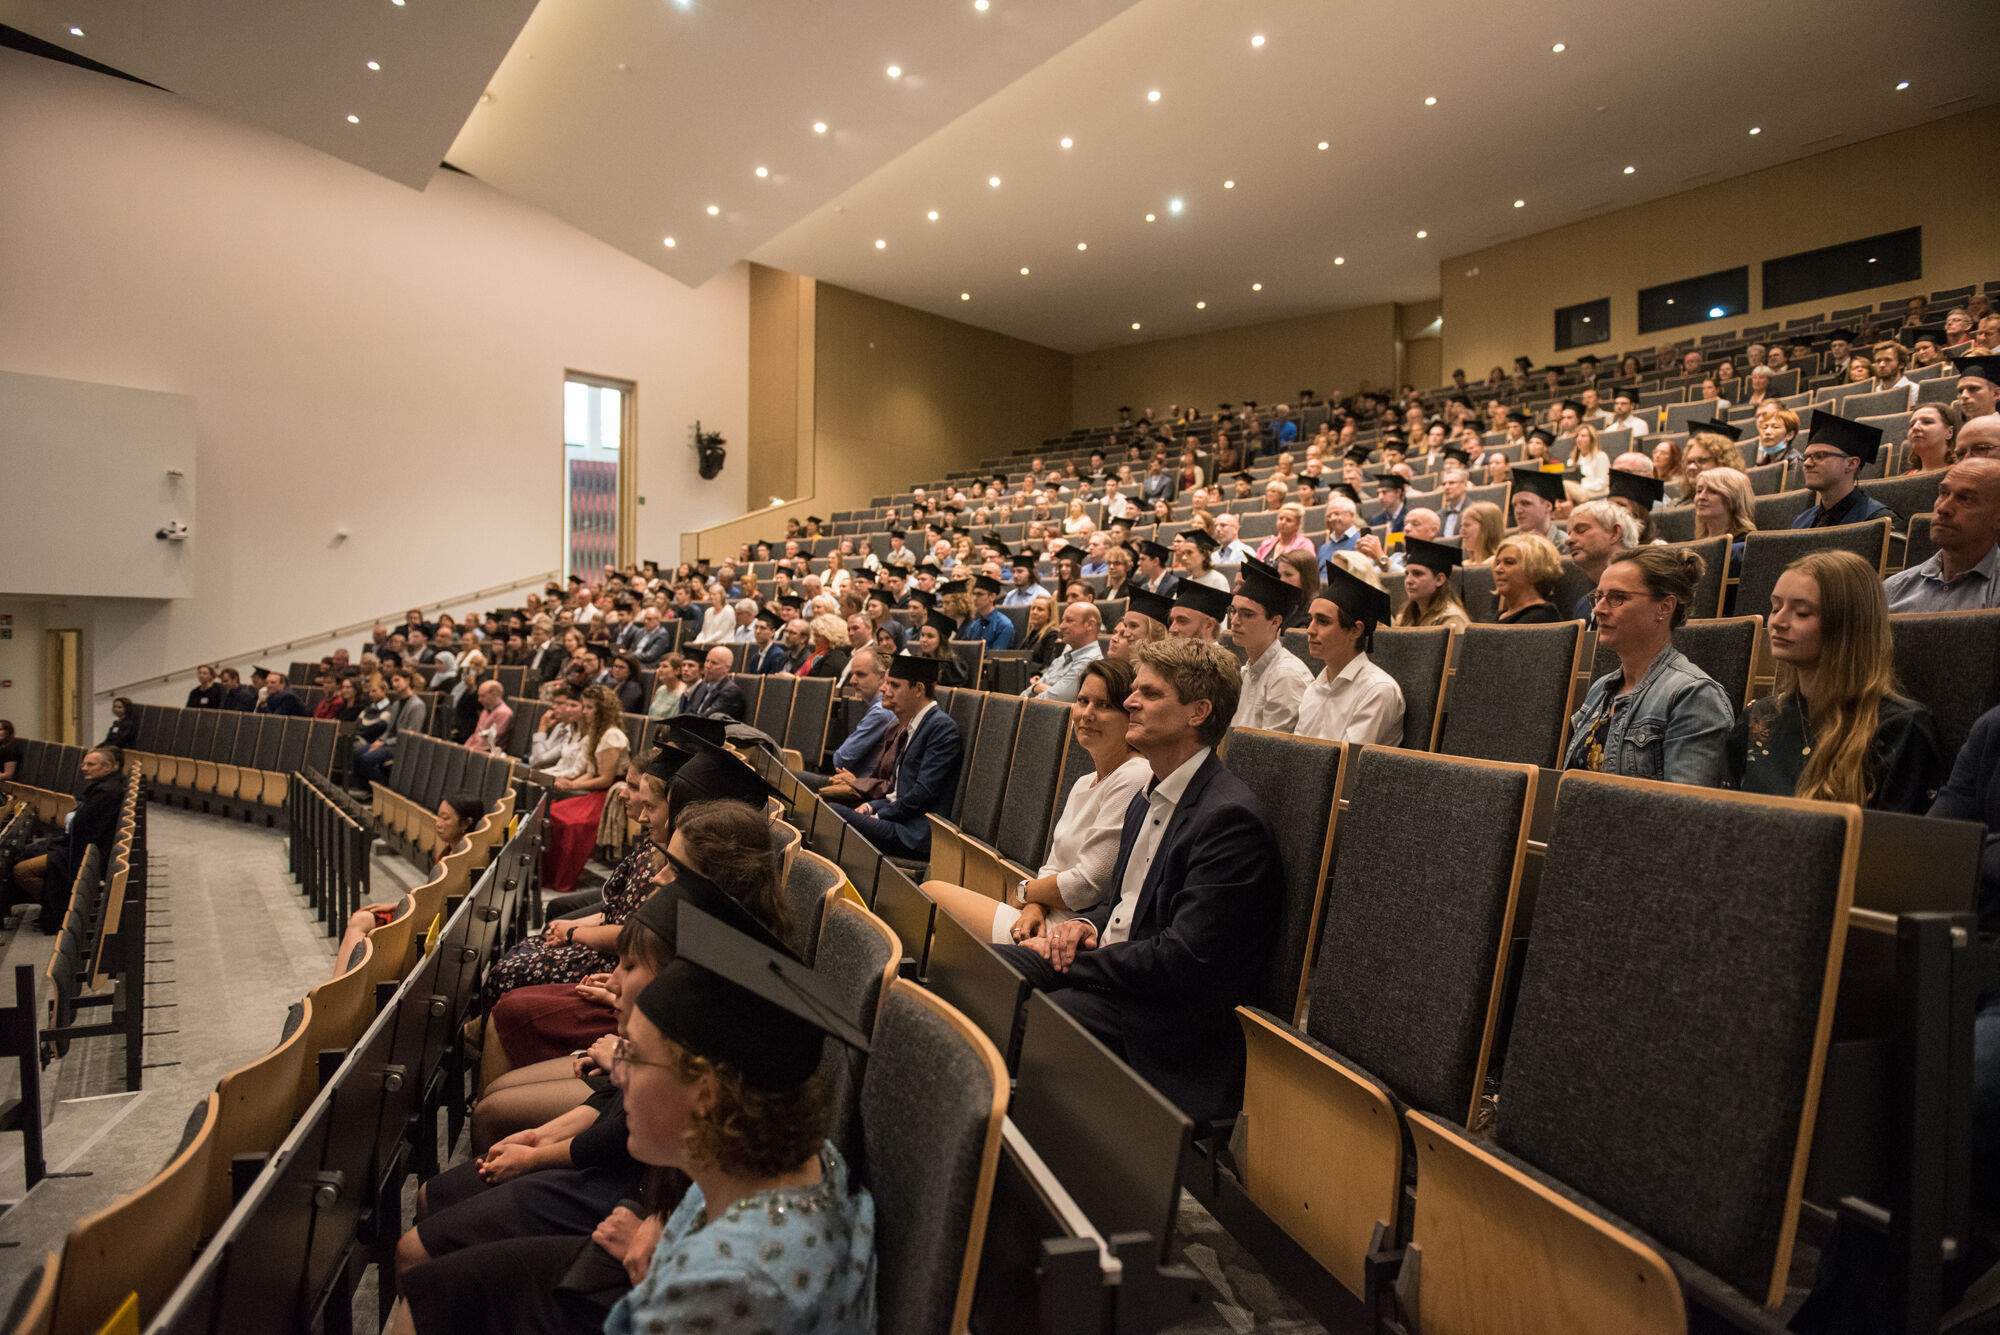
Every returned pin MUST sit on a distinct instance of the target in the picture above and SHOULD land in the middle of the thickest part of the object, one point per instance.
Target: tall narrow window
(597, 439)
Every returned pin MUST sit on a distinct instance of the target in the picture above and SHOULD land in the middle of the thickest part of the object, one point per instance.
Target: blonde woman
(1525, 570)
(717, 624)
(1706, 450)
(828, 655)
(1592, 464)
(1077, 522)
(585, 776)
(1725, 505)
(1480, 530)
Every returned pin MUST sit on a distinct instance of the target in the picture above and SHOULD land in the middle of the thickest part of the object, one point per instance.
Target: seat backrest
(1297, 783)
(971, 656)
(1911, 494)
(1766, 479)
(774, 710)
(1949, 662)
(1475, 591)
(1918, 546)
(1778, 510)
(254, 1112)
(932, 1101)
(807, 885)
(1411, 967)
(1669, 1030)
(984, 784)
(858, 955)
(1765, 556)
(140, 1243)
(228, 724)
(1723, 647)
(1510, 697)
(291, 743)
(1032, 786)
(812, 709)
(339, 1011)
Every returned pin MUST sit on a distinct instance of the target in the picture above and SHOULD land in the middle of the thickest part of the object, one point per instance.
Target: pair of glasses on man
(623, 1054)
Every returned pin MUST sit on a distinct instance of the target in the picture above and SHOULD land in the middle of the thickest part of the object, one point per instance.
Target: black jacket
(96, 820)
(722, 697)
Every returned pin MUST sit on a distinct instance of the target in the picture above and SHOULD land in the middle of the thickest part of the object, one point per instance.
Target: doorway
(62, 652)
(599, 427)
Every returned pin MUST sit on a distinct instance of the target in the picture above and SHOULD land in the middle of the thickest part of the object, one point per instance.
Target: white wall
(360, 355)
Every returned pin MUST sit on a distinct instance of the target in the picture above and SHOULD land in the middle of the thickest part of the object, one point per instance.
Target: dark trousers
(889, 838)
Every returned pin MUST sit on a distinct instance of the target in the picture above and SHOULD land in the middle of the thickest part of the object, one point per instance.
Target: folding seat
(254, 1110)
(1943, 389)
(1766, 554)
(971, 656)
(857, 954)
(1950, 663)
(1475, 591)
(1297, 782)
(151, 719)
(201, 750)
(1777, 511)
(1662, 1073)
(1723, 647)
(806, 726)
(1767, 479)
(1680, 415)
(1510, 698)
(218, 746)
(1419, 658)
(446, 778)
(1894, 426)
(988, 756)
(1918, 546)
(1033, 791)
(340, 1009)
(750, 684)
(1258, 525)
(242, 759)
(1493, 494)
(932, 1101)
(1405, 997)
(1910, 495)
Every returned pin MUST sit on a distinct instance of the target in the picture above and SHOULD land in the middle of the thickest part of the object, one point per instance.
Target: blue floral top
(778, 1262)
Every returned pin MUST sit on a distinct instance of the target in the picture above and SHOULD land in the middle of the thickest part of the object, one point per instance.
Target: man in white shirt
(1351, 700)
(1064, 675)
(1622, 418)
(1274, 680)
(1229, 549)
(1023, 591)
(1198, 612)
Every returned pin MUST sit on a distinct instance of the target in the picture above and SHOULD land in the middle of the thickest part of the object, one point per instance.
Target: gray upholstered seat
(1778, 510)
(988, 757)
(1510, 697)
(1416, 656)
(932, 1100)
(1714, 554)
(1297, 781)
(857, 954)
(1723, 647)
(1675, 523)
(1918, 547)
(1475, 590)
(1909, 495)
(1028, 803)
(806, 885)
(812, 708)
(1765, 556)
(774, 709)
(964, 705)
(1950, 663)
(1766, 479)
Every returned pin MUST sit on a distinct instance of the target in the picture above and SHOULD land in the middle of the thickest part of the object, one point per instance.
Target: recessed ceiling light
(1559, 48)
(880, 244)
(374, 64)
(980, 5)
(1323, 146)
(76, 32)
(993, 181)
(1258, 40)
(1520, 203)
(1066, 141)
(819, 127)
(965, 296)
(1340, 259)
(1256, 287)
(1024, 271)
(1229, 185)
(1422, 235)
(763, 171)
(1715, 312)
(1149, 217)
(1135, 324)
(895, 71)
(1901, 86)
(1153, 96)
(1756, 129)
(1430, 101)
(354, 120)
(669, 242)
(397, 3)
(1630, 170)
(1174, 205)
(932, 215)
(1670, 301)
(714, 209)
(1082, 245)
(1201, 305)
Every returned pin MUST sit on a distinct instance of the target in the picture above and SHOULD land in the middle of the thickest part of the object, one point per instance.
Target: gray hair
(1614, 517)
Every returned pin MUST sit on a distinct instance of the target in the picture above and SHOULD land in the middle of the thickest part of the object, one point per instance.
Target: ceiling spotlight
(895, 71)
(1066, 141)
(1024, 271)
(1229, 185)
(1149, 217)
(1715, 312)
(1201, 305)
(1135, 324)
(965, 296)
(1520, 203)
(1323, 145)
(1175, 205)
(486, 96)
(1559, 48)
(1256, 287)
(1422, 235)
(397, 3)
(1258, 40)
(763, 171)
(76, 32)
(1430, 101)
(932, 215)
(993, 181)
(714, 209)
(354, 120)
(819, 127)
(880, 244)
(670, 243)
(1082, 246)
(1153, 96)
(980, 5)
(1630, 170)
(373, 64)
(1901, 86)
(1756, 129)
(1340, 259)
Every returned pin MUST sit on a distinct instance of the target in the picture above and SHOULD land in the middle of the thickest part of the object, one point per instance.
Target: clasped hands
(1060, 943)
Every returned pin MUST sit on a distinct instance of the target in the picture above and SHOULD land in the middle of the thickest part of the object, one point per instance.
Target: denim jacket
(1672, 727)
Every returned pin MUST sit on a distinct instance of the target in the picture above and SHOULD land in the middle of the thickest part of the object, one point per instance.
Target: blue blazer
(771, 660)
(926, 778)
(1202, 935)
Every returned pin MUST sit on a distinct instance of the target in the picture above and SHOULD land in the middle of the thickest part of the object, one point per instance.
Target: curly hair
(750, 1132)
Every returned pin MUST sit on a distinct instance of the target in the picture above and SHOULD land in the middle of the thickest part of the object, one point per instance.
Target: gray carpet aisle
(243, 945)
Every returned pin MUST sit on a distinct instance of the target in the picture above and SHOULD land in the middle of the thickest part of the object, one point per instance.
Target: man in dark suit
(715, 693)
(928, 752)
(278, 697)
(767, 655)
(1157, 971)
(93, 824)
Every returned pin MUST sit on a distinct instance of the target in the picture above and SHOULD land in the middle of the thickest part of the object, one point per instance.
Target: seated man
(406, 719)
(1963, 575)
(1536, 496)
(1273, 677)
(856, 776)
(1198, 611)
(715, 693)
(1157, 970)
(278, 697)
(1352, 700)
(93, 823)
(495, 727)
(767, 654)
(1081, 623)
(1837, 450)
(926, 758)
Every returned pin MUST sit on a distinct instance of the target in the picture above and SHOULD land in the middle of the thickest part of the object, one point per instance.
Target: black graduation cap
(1395, 480)
(1243, 475)
(792, 602)
(716, 775)
(1844, 335)
(1985, 366)
(1022, 560)
(898, 533)
(701, 727)
(771, 619)
(1343, 489)
(1625, 392)
(1224, 407)
(1724, 429)
(1262, 585)
(1925, 334)
(733, 1000)
(1127, 410)
(1069, 551)
(660, 910)
(909, 667)
(1846, 435)
(1458, 455)
(946, 628)
(986, 584)
(1432, 556)
(1518, 416)
(1543, 434)
(1359, 453)
(992, 538)
(1147, 547)
(1644, 492)
(814, 519)
(1549, 486)
(953, 586)
(1202, 598)
(928, 568)
(1201, 538)
(1590, 357)
(667, 761)
(1355, 596)
(923, 598)
(1149, 605)
(1573, 406)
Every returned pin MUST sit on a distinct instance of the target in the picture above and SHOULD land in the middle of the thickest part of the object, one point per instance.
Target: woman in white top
(1083, 850)
(590, 764)
(719, 622)
(1077, 522)
(1592, 464)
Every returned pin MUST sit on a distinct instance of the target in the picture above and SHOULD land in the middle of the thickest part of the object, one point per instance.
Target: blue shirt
(1344, 543)
(863, 746)
(1023, 595)
(1286, 431)
(995, 629)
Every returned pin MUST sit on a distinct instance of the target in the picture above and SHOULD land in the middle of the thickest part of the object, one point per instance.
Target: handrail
(356, 628)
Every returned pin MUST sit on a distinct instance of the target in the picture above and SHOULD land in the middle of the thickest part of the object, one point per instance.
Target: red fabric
(572, 834)
(548, 1020)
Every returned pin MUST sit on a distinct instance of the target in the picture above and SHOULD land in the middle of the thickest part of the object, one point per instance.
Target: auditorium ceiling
(1162, 166)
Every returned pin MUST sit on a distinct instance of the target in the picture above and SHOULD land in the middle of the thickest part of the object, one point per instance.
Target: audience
(1060, 681)
(1837, 450)
(1197, 611)
(715, 693)
(1526, 569)
(582, 782)
(403, 716)
(45, 879)
(1598, 532)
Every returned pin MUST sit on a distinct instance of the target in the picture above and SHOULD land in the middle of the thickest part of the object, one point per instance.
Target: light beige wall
(898, 396)
(1330, 353)
(781, 384)
(1924, 176)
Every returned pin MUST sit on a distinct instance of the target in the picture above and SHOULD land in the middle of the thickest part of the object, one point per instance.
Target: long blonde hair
(1856, 670)
(1492, 528)
(1445, 610)
(1737, 494)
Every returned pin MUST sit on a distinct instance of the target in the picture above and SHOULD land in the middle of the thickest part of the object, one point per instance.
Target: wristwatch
(1021, 893)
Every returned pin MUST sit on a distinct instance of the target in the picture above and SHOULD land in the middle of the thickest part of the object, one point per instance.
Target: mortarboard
(1355, 596)
(1548, 486)
(1149, 605)
(1394, 480)
(1069, 551)
(771, 619)
(1843, 335)
(1985, 366)
(1022, 560)
(1543, 434)
(1203, 599)
(1343, 489)
(1726, 430)
(660, 910)
(1201, 538)
(909, 667)
(921, 597)
(792, 602)
(1926, 334)
(1432, 556)
(1857, 439)
(986, 584)
(1643, 491)
(1262, 585)
(1573, 406)
(1359, 453)
(1147, 547)
(1458, 455)
(717, 775)
(946, 628)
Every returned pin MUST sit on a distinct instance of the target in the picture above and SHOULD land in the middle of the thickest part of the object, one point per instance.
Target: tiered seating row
(231, 764)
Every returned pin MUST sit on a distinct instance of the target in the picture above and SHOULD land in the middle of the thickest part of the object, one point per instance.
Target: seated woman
(1658, 716)
(828, 654)
(1427, 581)
(1835, 727)
(1084, 846)
(1525, 571)
(457, 816)
(1932, 436)
(1725, 505)
(565, 1175)
(934, 641)
(124, 729)
(582, 785)
(1301, 571)
(1480, 529)
(1041, 639)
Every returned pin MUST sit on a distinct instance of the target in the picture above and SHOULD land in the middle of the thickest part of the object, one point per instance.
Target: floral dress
(536, 961)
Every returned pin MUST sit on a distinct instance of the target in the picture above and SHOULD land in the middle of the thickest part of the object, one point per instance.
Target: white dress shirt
(1083, 849)
(1161, 799)
(1273, 684)
(1360, 704)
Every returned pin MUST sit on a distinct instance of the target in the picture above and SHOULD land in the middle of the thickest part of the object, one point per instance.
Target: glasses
(621, 1055)
(1822, 456)
(1613, 598)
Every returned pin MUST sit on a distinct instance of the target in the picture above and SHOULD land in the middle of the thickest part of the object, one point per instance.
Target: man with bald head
(1980, 438)
(1064, 675)
(1634, 462)
(1964, 574)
